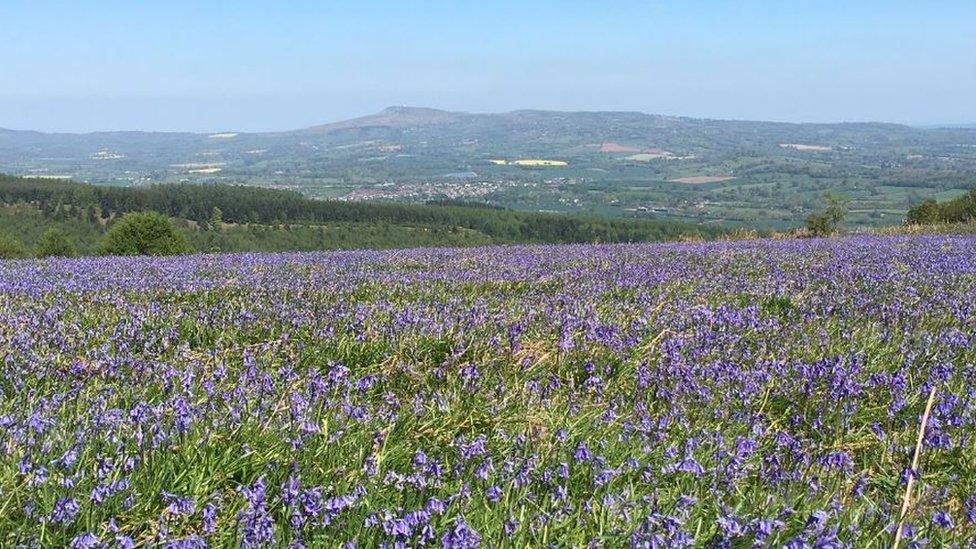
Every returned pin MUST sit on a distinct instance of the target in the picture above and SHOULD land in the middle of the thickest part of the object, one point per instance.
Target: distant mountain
(393, 117)
(414, 117)
(453, 140)
(596, 125)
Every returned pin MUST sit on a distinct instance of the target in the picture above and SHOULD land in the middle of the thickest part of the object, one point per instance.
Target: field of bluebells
(756, 393)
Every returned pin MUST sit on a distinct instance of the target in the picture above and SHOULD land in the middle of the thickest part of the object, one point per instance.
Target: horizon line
(923, 126)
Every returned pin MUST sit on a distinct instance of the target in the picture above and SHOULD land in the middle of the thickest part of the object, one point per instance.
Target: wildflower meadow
(799, 393)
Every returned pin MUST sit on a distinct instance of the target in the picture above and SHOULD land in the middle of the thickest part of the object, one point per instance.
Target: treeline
(253, 205)
(463, 204)
(958, 210)
(23, 230)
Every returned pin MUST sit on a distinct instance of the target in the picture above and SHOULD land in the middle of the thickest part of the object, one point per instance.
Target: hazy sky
(207, 65)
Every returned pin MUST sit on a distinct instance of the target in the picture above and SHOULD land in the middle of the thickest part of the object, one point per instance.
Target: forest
(242, 218)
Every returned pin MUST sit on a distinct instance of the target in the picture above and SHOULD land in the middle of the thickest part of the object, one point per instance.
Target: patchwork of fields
(733, 393)
(763, 175)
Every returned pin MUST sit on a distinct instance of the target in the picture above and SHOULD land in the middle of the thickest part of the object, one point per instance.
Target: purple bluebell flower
(943, 520)
(460, 536)
(85, 541)
(65, 510)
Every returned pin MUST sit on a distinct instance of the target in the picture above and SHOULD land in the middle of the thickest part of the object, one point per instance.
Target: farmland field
(701, 179)
(727, 394)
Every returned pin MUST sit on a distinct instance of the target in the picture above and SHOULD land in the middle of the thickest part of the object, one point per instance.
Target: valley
(760, 174)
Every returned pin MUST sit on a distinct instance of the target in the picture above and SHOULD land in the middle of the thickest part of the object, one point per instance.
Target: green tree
(926, 212)
(147, 233)
(11, 248)
(216, 218)
(827, 220)
(55, 243)
(961, 209)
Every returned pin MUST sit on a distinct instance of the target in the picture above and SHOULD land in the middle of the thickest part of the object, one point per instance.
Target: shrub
(11, 248)
(147, 233)
(927, 212)
(961, 209)
(55, 243)
(826, 221)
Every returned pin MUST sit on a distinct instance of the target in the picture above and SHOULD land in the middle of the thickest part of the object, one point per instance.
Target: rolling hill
(630, 164)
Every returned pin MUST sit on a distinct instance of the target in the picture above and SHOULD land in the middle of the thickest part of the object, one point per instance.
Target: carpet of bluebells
(756, 393)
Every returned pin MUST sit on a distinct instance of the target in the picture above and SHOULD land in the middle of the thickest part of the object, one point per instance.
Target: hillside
(624, 164)
(238, 218)
(394, 117)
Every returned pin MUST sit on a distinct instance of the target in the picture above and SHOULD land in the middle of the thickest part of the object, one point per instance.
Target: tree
(961, 209)
(826, 221)
(147, 233)
(216, 218)
(11, 248)
(926, 212)
(55, 243)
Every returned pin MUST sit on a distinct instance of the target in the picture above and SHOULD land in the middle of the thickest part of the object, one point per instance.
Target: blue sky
(208, 65)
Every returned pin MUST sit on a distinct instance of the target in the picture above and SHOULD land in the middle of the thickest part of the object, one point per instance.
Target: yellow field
(538, 162)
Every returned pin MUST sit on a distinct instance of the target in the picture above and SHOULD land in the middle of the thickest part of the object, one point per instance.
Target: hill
(624, 164)
(394, 117)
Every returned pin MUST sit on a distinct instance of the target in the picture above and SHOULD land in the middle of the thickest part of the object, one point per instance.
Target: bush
(55, 243)
(826, 221)
(11, 248)
(961, 209)
(147, 233)
(927, 212)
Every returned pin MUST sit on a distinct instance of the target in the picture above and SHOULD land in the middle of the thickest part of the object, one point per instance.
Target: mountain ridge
(402, 116)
